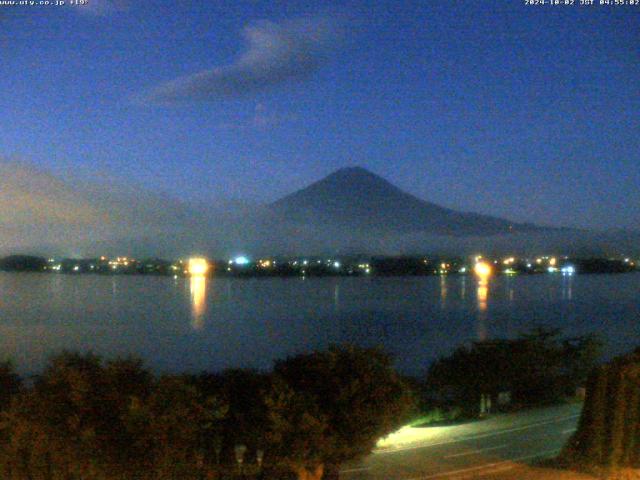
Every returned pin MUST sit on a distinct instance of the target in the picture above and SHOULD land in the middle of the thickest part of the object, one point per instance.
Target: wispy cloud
(275, 53)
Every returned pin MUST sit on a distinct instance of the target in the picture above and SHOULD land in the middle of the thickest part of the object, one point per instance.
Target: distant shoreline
(326, 266)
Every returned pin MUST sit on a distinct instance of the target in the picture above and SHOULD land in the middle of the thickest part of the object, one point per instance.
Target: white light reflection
(567, 287)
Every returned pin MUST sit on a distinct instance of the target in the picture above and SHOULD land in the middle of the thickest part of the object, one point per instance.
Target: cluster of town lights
(482, 267)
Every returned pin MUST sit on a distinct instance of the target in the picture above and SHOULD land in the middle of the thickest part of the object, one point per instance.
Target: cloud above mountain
(275, 53)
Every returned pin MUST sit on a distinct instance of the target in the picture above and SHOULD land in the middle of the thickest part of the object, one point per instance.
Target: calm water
(195, 324)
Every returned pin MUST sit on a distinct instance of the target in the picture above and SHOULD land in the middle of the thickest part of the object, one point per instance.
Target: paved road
(474, 450)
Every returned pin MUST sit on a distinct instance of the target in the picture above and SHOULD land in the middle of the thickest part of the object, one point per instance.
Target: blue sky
(531, 113)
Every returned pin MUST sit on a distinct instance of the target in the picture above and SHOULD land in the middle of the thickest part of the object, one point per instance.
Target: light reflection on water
(482, 296)
(443, 291)
(198, 291)
(567, 287)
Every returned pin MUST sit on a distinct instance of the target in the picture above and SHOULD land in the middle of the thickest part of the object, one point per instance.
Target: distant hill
(354, 197)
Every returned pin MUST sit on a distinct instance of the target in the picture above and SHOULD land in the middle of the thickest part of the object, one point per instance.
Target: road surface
(478, 449)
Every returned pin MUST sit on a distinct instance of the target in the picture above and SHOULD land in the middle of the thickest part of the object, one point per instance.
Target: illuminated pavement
(494, 448)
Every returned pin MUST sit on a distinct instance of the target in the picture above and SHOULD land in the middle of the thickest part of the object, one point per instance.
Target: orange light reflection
(198, 290)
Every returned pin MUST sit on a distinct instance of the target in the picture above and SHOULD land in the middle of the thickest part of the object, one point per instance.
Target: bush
(333, 406)
(87, 419)
(537, 368)
(10, 384)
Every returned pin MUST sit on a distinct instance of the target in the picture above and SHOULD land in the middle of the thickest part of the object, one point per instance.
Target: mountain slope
(354, 197)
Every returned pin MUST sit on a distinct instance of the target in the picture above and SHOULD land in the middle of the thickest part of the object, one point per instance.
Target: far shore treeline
(84, 417)
(310, 266)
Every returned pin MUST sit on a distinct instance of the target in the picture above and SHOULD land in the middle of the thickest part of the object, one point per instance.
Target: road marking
(488, 465)
(474, 437)
(479, 450)
(349, 470)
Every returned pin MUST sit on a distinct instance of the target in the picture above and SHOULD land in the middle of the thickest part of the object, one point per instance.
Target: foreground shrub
(84, 419)
(537, 368)
(333, 406)
(10, 384)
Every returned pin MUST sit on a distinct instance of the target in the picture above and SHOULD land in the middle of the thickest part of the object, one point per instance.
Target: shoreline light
(482, 269)
(197, 266)
(241, 260)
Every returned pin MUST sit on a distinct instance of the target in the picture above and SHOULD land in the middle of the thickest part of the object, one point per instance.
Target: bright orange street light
(483, 269)
(198, 266)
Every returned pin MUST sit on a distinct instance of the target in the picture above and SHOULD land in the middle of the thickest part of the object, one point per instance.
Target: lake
(192, 324)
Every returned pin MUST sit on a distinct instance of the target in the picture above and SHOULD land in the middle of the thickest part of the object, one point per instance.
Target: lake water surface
(194, 324)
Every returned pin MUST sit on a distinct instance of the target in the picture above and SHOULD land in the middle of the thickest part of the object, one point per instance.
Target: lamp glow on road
(198, 266)
(409, 435)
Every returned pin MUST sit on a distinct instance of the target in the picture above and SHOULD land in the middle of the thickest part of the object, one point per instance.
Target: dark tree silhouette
(88, 419)
(332, 406)
(538, 367)
(10, 384)
(608, 433)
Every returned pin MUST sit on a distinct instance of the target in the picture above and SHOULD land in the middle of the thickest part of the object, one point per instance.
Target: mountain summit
(357, 198)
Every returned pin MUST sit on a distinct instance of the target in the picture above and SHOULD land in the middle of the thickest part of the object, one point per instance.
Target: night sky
(529, 113)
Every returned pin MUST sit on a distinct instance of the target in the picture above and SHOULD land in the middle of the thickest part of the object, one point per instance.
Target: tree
(87, 419)
(608, 434)
(181, 421)
(70, 423)
(90, 420)
(297, 436)
(243, 392)
(538, 367)
(581, 355)
(10, 384)
(23, 263)
(333, 406)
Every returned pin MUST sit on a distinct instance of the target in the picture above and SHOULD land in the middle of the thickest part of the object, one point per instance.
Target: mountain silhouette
(357, 198)
(350, 211)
